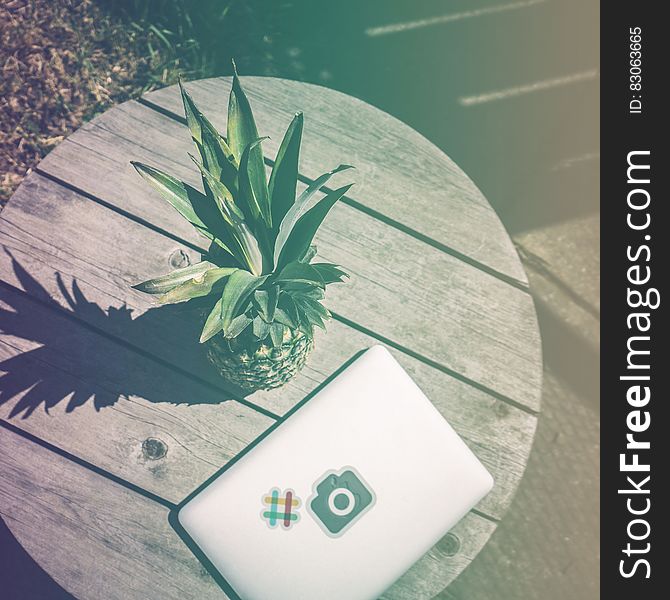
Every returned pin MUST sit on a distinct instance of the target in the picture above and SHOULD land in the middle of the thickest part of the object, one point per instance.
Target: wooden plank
(429, 576)
(405, 290)
(99, 540)
(500, 434)
(96, 539)
(112, 407)
(396, 166)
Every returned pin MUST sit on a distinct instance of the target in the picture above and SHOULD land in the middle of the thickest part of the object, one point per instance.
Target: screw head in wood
(449, 545)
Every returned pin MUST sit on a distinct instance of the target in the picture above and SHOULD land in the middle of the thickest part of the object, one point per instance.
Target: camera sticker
(339, 499)
(281, 508)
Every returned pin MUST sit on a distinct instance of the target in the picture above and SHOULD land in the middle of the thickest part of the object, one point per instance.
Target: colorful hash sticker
(280, 508)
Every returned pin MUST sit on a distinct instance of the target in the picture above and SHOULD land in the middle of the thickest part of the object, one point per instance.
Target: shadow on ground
(117, 373)
(20, 576)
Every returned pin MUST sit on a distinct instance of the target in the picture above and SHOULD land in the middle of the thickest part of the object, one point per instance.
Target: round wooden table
(111, 415)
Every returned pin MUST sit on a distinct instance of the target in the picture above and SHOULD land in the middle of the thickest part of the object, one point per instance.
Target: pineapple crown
(259, 262)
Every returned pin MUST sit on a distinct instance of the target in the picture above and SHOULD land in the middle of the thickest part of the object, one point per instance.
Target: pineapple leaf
(261, 329)
(330, 273)
(314, 319)
(221, 193)
(313, 307)
(319, 182)
(284, 175)
(222, 245)
(304, 324)
(220, 257)
(218, 158)
(282, 317)
(258, 205)
(197, 287)
(194, 118)
(215, 152)
(276, 334)
(251, 255)
(298, 208)
(241, 284)
(309, 254)
(182, 196)
(315, 293)
(286, 312)
(298, 272)
(213, 323)
(193, 205)
(266, 302)
(238, 325)
(241, 129)
(300, 236)
(298, 288)
(242, 132)
(164, 283)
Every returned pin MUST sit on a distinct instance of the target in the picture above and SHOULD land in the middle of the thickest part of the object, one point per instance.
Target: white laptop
(343, 496)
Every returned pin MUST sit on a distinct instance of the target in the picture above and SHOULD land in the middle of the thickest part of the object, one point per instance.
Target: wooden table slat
(428, 576)
(124, 545)
(396, 167)
(421, 298)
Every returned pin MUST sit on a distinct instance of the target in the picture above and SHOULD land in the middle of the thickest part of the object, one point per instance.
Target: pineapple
(266, 292)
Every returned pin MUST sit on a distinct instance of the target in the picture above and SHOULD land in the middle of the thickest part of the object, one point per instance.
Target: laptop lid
(343, 496)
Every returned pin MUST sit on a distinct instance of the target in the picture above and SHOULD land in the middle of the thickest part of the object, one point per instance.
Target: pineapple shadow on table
(95, 367)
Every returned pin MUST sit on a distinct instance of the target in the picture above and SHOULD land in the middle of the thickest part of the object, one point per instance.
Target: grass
(64, 61)
(199, 39)
(176, 31)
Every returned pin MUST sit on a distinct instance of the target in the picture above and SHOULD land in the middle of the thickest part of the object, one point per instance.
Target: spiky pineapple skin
(261, 368)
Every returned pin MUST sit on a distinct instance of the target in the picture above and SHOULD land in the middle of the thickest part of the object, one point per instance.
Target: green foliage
(285, 171)
(258, 225)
